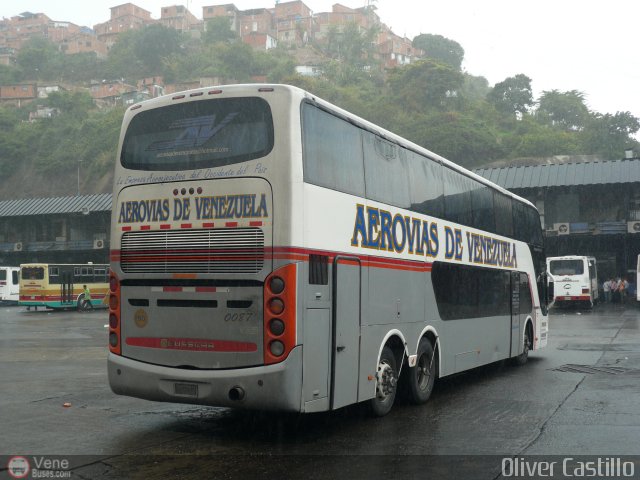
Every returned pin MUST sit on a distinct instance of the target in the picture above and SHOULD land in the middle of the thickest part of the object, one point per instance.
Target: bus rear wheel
(422, 377)
(524, 355)
(386, 384)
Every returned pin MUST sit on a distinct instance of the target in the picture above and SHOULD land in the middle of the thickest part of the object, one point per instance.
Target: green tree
(425, 84)
(142, 53)
(218, 29)
(564, 110)
(513, 95)
(440, 49)
(610, 134)
(38, 59)
(75, 104)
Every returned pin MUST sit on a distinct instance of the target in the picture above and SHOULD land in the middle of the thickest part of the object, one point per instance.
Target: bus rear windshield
(566, 267)
(199, 134)
(32, 273)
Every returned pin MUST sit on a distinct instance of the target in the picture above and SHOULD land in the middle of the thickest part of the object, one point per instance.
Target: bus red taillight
(279, 314)
(114, 314)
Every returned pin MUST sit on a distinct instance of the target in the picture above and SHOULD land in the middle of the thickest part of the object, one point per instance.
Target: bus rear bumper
(270, 387)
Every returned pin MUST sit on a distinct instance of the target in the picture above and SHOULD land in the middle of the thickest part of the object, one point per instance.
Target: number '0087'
(238, 317)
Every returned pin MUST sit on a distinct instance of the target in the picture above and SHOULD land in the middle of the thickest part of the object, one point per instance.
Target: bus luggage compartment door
(346, 331)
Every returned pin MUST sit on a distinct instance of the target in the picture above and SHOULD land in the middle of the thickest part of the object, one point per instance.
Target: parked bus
(575, 279)
(61, 285)
(273, 251)
(9, 284)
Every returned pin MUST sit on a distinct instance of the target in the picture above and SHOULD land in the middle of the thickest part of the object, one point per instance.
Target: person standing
(606, 287)
(86, 301)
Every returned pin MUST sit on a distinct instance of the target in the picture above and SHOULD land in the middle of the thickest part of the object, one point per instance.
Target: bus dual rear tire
(386, 384)
(422, 377)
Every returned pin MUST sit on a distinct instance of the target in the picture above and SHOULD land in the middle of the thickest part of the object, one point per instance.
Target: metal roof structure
(564, 174)
(57, 205)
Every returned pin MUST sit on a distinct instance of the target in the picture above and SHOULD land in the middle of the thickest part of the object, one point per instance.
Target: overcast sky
(566, 45)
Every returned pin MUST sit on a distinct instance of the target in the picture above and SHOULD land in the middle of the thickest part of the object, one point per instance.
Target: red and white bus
(273, 251)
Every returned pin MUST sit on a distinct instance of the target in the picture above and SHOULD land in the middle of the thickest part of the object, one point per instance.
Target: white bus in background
(9, 284)
(575, 279)
(273, 251)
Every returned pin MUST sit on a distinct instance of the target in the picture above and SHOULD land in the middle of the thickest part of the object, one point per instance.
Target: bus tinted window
(526, 224)
(425, 185)
(503, 214)
(199, 134)
(566, 267)
(15, 276)
(3, 275)
(470, 292)
(457, 197)
(482, 207)
(33, 273)
(332, 151)
(385, 170)
(526, 303)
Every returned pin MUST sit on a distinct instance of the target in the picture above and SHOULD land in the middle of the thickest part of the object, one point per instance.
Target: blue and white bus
(273, 251)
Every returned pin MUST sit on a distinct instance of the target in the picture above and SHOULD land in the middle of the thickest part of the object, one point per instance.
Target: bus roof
(263, 89)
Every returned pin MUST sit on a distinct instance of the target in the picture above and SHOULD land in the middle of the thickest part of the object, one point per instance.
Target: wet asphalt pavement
(578, 396)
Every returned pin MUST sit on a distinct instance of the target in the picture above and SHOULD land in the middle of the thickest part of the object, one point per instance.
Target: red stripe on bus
(126, 229)
(145, 227)
(208, 225)
(185, 225)
(255, 224)
(165, 226)
(192, 344)
(171, 289)
(231, 224)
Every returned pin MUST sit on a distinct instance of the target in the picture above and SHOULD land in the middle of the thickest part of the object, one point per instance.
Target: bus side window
(425, 184)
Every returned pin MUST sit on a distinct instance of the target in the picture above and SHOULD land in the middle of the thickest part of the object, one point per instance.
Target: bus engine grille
(230, 250)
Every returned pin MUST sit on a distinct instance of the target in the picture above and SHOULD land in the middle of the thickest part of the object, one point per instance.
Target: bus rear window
(32, 273)
(199, 134)
(566, 267)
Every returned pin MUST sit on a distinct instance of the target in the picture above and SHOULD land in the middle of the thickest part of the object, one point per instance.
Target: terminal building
(587, 206)
(55, 230)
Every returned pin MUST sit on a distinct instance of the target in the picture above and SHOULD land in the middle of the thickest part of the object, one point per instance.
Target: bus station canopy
(564, 174)
(83, 204)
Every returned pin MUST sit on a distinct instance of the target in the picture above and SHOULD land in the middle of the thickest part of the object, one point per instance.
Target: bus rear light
(276, 306)
(276, 284)
(276, 326)
(585, 290)
(279, 309)
(114, 314)
(113, 302)
(214, 92)
(276, 348)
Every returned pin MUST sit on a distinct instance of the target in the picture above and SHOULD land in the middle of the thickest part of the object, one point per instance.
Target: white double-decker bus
(273, 251)
(575, 279)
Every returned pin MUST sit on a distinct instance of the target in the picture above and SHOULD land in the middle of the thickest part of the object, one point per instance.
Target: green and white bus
(273, 251)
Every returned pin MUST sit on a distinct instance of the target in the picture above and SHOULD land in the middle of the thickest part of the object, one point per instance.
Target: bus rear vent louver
(238, 250)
